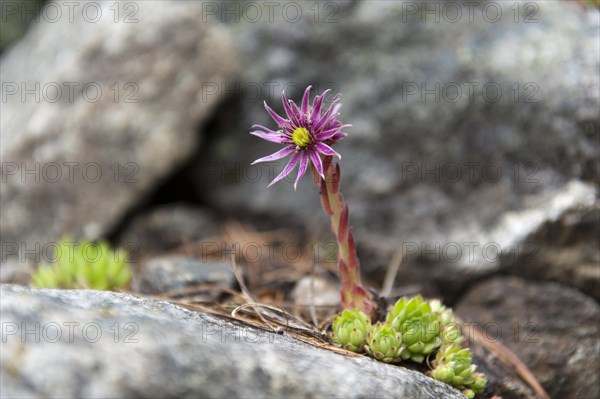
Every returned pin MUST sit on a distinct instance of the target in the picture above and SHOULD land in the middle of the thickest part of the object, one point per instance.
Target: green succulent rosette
(84, 265)
(453, 365)
(350, 330)
(441, 312)
(450, 329)
(419, 326)
(384, 343)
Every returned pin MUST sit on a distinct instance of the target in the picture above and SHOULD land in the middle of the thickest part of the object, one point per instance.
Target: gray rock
(14, 272)
(16, 16)
(565, 249)
(317, 293)
(503, 166)
(163, 351)
(167, 227)
(503, 379)
(173, 273)
(317, 290)
(114, 111)
(553, 329)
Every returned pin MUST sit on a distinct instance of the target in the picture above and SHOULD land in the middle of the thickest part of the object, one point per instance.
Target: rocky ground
(98, 344)
(473, 159)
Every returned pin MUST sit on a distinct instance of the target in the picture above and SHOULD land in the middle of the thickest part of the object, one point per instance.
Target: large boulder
(99, 106)
(164, 228)
(82, 344)
(552, 328)
(474, 125)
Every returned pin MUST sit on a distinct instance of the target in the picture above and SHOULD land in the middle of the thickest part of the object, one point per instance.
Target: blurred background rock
(16, 17)
(474, 149)
(474, 129)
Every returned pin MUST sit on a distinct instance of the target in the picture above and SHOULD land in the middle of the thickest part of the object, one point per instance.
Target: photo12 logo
(469, 11)
(69, 172)
(270, 11)
(69, 92)
(470, 92)
(70, 331)
(469, 252)
(52, 252)
(70, 11)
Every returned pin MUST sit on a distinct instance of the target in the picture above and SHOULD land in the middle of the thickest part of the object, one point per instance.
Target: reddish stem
(353, 294)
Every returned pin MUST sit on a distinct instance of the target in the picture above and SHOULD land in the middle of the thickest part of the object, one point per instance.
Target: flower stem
(353, 295)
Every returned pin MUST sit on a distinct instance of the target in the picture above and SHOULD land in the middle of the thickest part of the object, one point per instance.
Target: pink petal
(278, 155)
(305, 100)
(316, 160)
(336, 109)
(327, 134)
(265, 129)
(278, 119)
(328, 113)
(317, 104)
(296, 111)
(287, 170)
(286, 105)
(274, 138)
(302, 168)
(326, 150)
(332, 107)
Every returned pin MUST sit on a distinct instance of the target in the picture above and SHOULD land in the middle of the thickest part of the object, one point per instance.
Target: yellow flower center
(301, 137)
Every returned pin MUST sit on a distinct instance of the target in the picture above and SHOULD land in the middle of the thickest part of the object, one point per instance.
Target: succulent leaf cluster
(350, 330)
(84, 265)
(414, 330)
(419, 326)
(450, 330)
(384, 343)
(453, 365)
(443, 314)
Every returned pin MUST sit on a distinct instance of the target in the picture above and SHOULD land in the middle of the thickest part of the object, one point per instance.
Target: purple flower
(307, 133)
